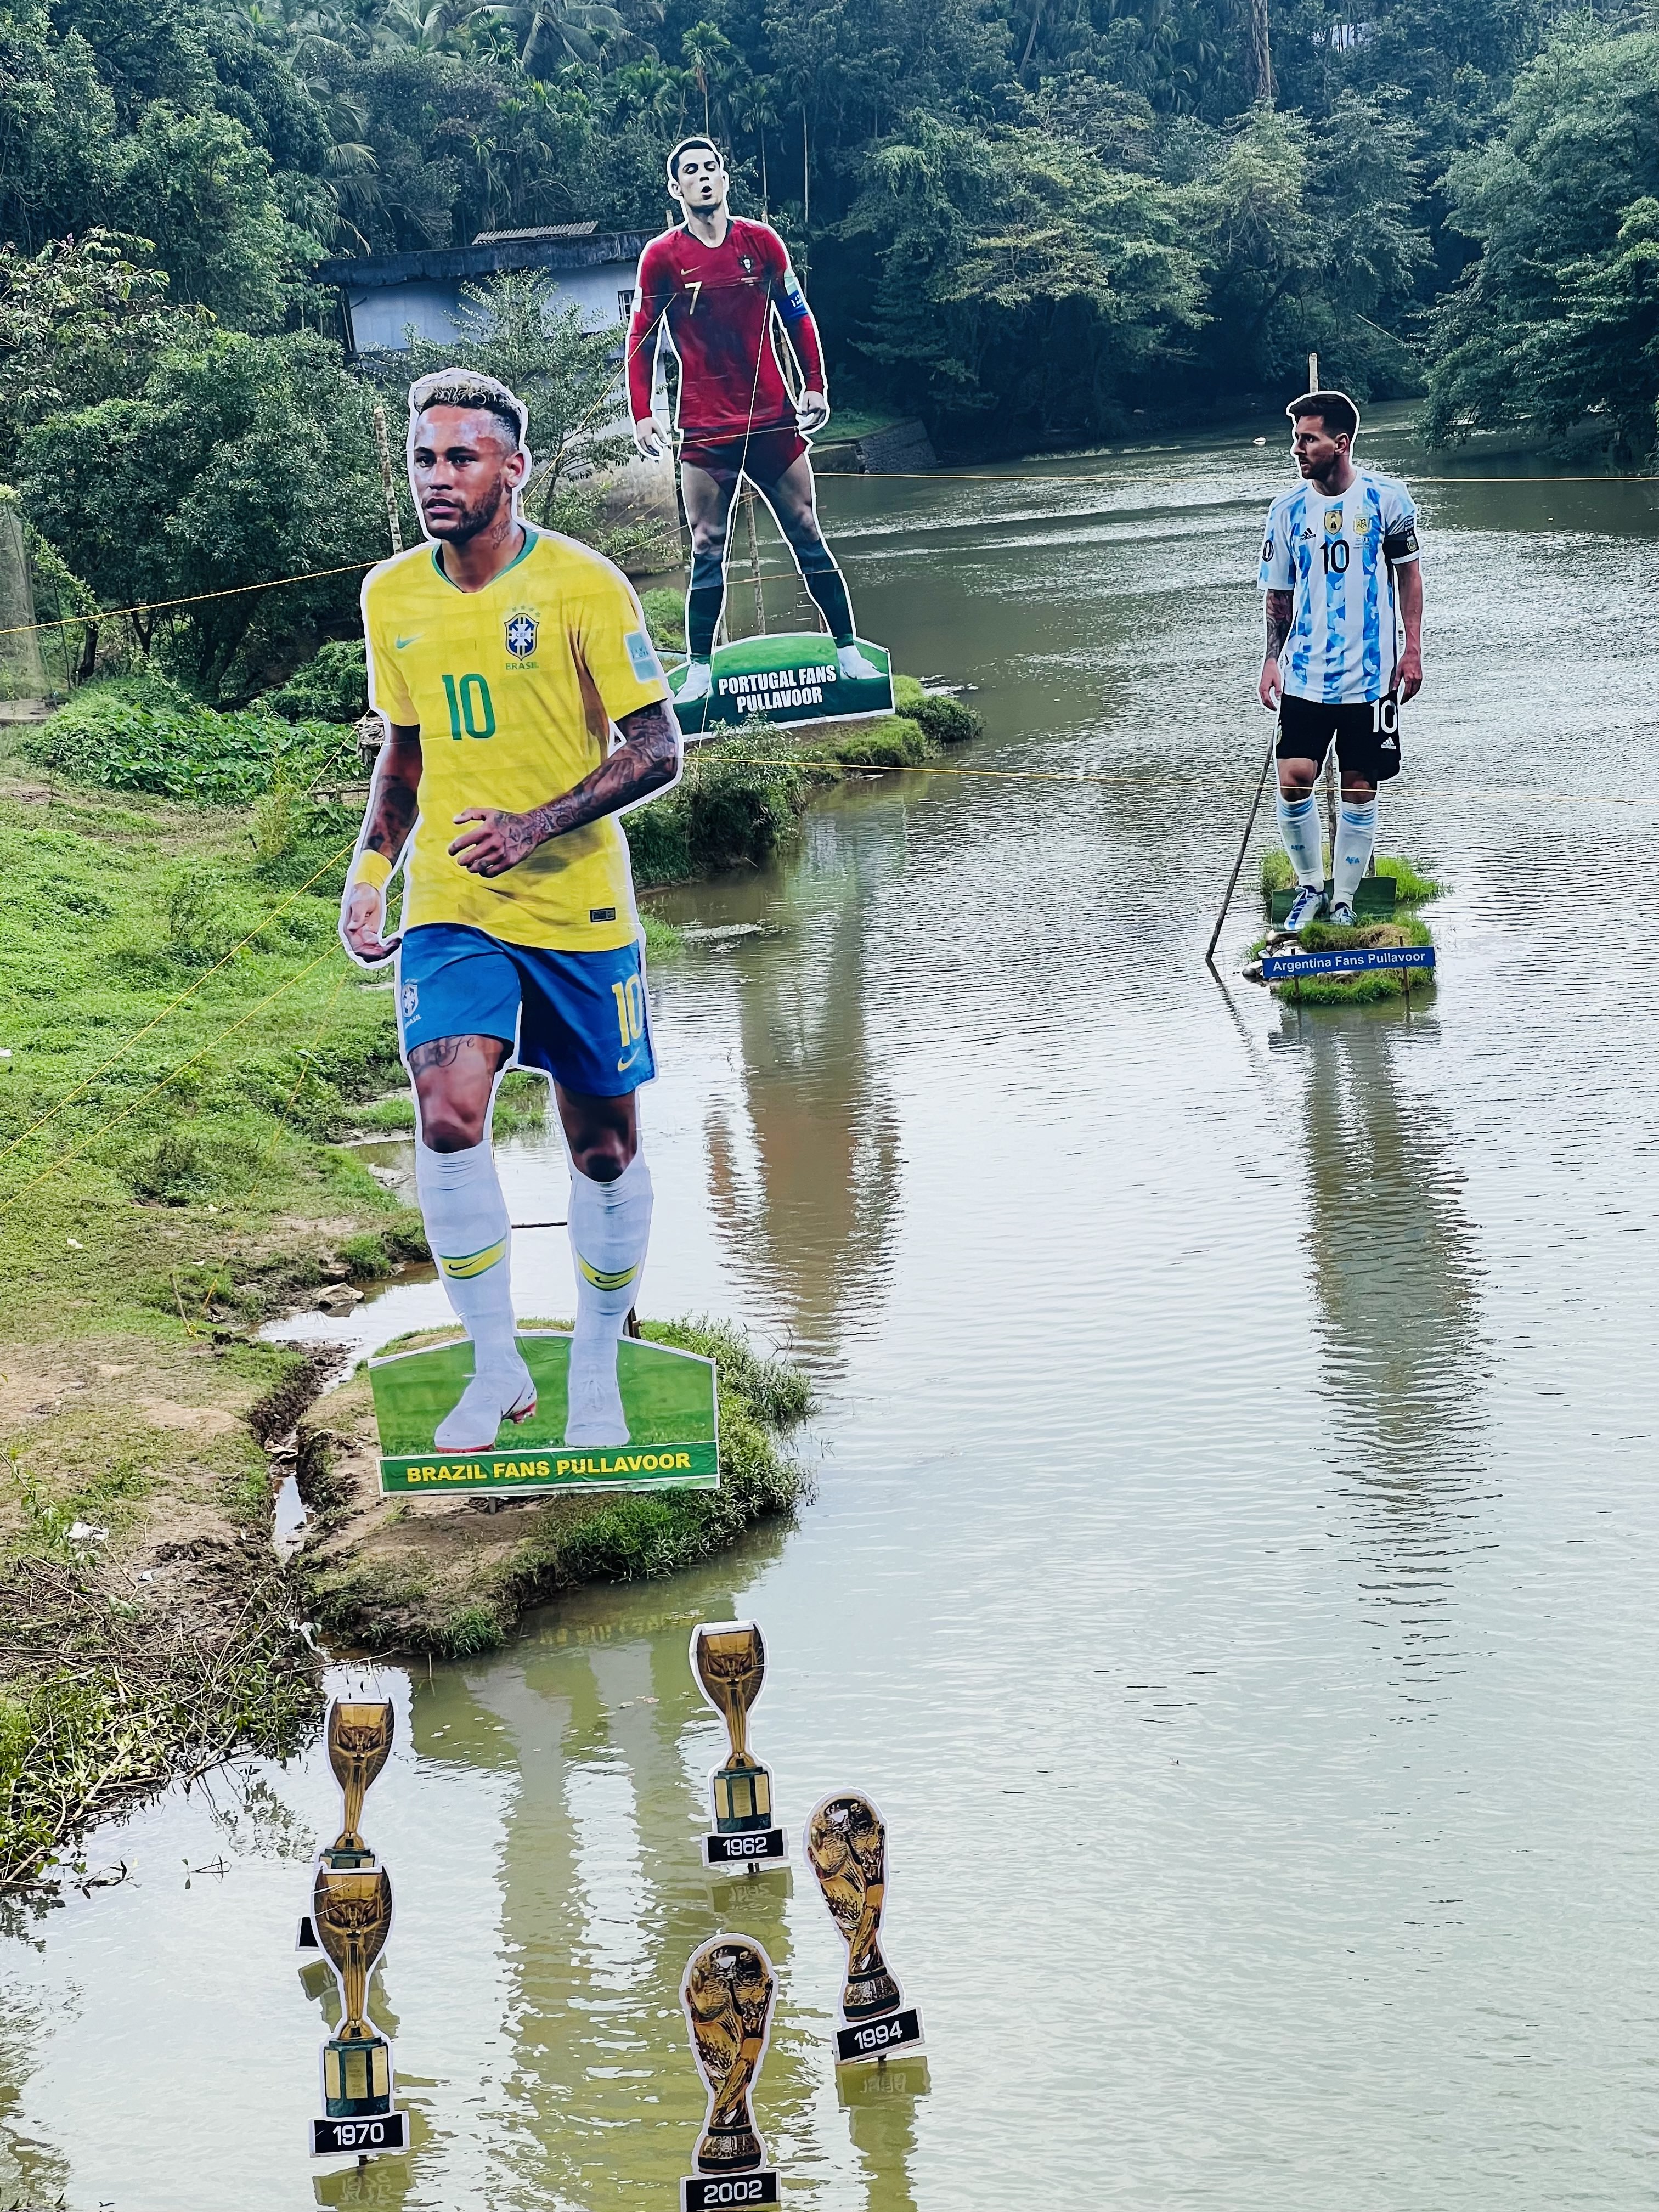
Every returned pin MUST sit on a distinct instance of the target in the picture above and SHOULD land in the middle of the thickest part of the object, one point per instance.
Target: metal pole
(384, 445)
(1244, 847)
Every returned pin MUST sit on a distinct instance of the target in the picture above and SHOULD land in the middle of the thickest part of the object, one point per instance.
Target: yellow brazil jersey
(513, 690)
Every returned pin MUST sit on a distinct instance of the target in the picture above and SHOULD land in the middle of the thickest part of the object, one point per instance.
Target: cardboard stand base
(784, 677)
(668, 1400)
(703, 2192)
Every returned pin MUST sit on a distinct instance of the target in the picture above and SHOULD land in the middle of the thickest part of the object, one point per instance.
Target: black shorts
(1367, 735)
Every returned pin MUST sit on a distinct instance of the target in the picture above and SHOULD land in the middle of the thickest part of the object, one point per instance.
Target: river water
(1231, 1563)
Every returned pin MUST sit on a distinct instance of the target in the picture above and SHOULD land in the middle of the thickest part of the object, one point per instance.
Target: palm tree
(547, 31)
(755, 105)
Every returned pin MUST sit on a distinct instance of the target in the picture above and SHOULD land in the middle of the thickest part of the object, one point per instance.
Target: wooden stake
(1243, 844)
(1313, 371)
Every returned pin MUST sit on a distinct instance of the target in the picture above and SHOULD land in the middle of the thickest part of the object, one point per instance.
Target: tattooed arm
(1271, 688)
(647, 758)
(393, 803)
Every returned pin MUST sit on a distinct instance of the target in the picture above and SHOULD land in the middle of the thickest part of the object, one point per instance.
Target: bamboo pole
(1244, 847)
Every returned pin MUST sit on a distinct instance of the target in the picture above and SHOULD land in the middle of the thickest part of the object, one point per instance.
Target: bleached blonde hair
(468, 387)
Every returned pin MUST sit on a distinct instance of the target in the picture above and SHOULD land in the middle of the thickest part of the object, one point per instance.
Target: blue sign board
(1280, 968)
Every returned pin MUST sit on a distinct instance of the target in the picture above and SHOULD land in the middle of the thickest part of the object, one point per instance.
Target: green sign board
(668, 1398)
(788, 678)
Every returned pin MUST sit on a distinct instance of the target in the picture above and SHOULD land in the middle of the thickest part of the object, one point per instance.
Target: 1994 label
(706, 2193)
(875, 2038)
(752, 1850)
(389, 2132)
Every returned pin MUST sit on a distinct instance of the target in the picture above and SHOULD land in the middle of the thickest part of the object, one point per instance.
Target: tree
(1553, 321)
(245, 460)
(82, 320)
(1014, 273)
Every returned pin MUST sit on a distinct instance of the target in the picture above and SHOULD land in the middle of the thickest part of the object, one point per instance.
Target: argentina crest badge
(519, 629)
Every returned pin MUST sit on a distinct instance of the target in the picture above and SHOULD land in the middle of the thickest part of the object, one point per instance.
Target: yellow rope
(1132, 783)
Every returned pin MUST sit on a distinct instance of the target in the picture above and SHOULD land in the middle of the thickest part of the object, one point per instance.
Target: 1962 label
(706, 2193)
(874, 2038)
(752, 1850)
(389, 2132)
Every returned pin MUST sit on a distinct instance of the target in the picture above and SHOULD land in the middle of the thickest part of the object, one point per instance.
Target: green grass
(1370, 987)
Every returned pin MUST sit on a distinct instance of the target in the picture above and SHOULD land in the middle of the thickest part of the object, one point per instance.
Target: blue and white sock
(1356, 840)
(471, 1232)
(609, 1229)
(1298, 825)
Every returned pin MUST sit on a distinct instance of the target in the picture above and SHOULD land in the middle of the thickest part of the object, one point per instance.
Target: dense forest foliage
(1024, 220)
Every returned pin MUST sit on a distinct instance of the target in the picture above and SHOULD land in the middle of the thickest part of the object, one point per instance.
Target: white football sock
(471, 1232)
(609, 1229)
(1298, 825)
(1355, 838)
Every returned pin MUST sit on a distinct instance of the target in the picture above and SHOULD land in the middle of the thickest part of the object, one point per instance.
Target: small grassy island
(1405, 926)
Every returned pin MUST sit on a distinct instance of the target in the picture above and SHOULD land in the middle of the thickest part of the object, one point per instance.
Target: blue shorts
(580, 1016)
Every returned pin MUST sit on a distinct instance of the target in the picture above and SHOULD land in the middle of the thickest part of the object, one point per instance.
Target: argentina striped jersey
(1337, 556)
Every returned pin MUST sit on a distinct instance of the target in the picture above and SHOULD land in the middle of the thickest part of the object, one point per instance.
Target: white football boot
(855, 666)
(699, 682)
(1307, 906)
(506, 1393)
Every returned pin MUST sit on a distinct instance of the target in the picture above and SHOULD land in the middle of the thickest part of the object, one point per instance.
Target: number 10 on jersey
(472, 710)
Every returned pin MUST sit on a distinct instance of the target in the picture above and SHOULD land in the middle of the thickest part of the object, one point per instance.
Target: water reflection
(803, 1159)
(1396, 1316)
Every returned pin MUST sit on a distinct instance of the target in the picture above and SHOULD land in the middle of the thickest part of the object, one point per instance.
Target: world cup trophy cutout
(846, 1846)
(359, 1746)
(350, 1923)
(728, 1658)
(727, 1995)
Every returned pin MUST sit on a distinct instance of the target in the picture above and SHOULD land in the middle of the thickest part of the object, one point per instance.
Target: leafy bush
(898, 743)
(946, 721)
(737, 802)
(116, 736)
(331, 687)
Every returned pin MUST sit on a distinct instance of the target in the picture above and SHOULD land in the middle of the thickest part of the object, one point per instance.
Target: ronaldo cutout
(719, 292)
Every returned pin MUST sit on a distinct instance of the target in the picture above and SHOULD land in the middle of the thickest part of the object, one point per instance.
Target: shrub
(946, 721)
(332, 687)
(115, 736)
(739, 801)
(898, 743)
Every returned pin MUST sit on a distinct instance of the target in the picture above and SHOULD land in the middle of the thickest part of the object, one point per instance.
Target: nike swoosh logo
(622, 1066)
(403, 642)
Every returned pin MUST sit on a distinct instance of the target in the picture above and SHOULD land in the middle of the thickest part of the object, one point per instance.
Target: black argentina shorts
(1367, 735)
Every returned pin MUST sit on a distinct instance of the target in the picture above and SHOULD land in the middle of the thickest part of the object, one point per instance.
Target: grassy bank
(446, 1575)
(1413, 889)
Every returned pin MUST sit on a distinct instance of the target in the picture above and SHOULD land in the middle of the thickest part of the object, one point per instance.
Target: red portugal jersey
(720, 308)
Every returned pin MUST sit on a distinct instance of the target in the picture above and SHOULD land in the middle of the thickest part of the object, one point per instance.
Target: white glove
(648, 436)
(812, 412)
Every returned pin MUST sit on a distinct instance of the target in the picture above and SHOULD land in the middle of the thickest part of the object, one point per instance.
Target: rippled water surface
(1232, 1558)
